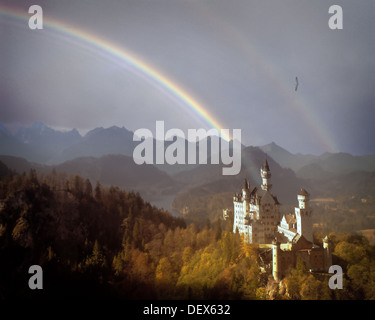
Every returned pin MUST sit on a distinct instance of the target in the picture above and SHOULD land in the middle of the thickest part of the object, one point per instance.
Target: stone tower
(327, 253)
(275, 260)
(303, 216)
(266, 176)
(245, 198)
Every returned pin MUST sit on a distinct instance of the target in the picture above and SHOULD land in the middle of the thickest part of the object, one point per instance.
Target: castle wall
(238, 216)
(287, 262)
(286, 232)
(313, 258)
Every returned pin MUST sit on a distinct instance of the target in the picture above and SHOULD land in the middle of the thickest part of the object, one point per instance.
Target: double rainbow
(104, 47)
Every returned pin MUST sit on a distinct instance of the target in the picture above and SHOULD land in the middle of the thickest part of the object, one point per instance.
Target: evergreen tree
(98, 191)
(88, 188)
(218, 230)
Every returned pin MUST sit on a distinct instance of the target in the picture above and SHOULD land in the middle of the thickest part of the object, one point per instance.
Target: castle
(281, 242)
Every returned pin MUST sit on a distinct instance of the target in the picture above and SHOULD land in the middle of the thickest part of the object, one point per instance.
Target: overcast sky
(238, 58)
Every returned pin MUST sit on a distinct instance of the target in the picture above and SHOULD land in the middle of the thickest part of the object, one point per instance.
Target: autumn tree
(218, 230)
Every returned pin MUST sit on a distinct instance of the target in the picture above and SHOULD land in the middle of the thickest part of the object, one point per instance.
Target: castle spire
(265, 165)
(246, 184)
(266, 176)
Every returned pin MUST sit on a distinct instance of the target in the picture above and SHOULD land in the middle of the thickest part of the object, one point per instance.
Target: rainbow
(298, 101)
(105, 47)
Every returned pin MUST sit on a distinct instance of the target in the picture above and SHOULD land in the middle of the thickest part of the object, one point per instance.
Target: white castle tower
(303, 216)
(327, 253)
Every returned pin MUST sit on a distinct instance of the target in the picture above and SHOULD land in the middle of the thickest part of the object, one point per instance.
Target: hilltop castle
(256, 216)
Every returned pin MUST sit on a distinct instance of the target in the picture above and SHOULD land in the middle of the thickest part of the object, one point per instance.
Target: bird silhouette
(296, 83)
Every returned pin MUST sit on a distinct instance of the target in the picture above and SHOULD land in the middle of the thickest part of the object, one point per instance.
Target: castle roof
(276, 200)
(245, 184)
(253, 191)
(265, 166)
(281, 238)
(303, 192)
(296, 238)
(299, 242)
(290, 218)
(261, 193)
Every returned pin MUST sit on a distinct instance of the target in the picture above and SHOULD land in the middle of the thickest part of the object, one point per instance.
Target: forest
(103, 242)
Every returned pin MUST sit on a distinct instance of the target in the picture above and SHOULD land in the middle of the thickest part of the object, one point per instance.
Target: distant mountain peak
(36, 128)
(93, 131)
(273, 147)
(38, 125)
(74, 131)
(109, 130)
(4, 131)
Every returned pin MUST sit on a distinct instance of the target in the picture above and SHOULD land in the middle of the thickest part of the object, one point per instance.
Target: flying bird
(296, 83)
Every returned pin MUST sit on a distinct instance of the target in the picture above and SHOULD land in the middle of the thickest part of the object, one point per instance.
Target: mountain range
(312, 166)
(42, 144)
(106, 155)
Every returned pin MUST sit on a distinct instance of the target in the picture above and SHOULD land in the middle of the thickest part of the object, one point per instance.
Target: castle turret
(245, 184)
(227, 214)
(275, 260)
(245, 197)
(245, 189)
(303, 199)
(266, 176)
(303, 216)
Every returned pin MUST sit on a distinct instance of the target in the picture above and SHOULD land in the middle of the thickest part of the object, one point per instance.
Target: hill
(109, 170)
(285, 158)
(19, 165)
(11, 146)
(96, 143)
(119, 170)
(207, 192)
(306, 166)
(76, 234)
(252, 158)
